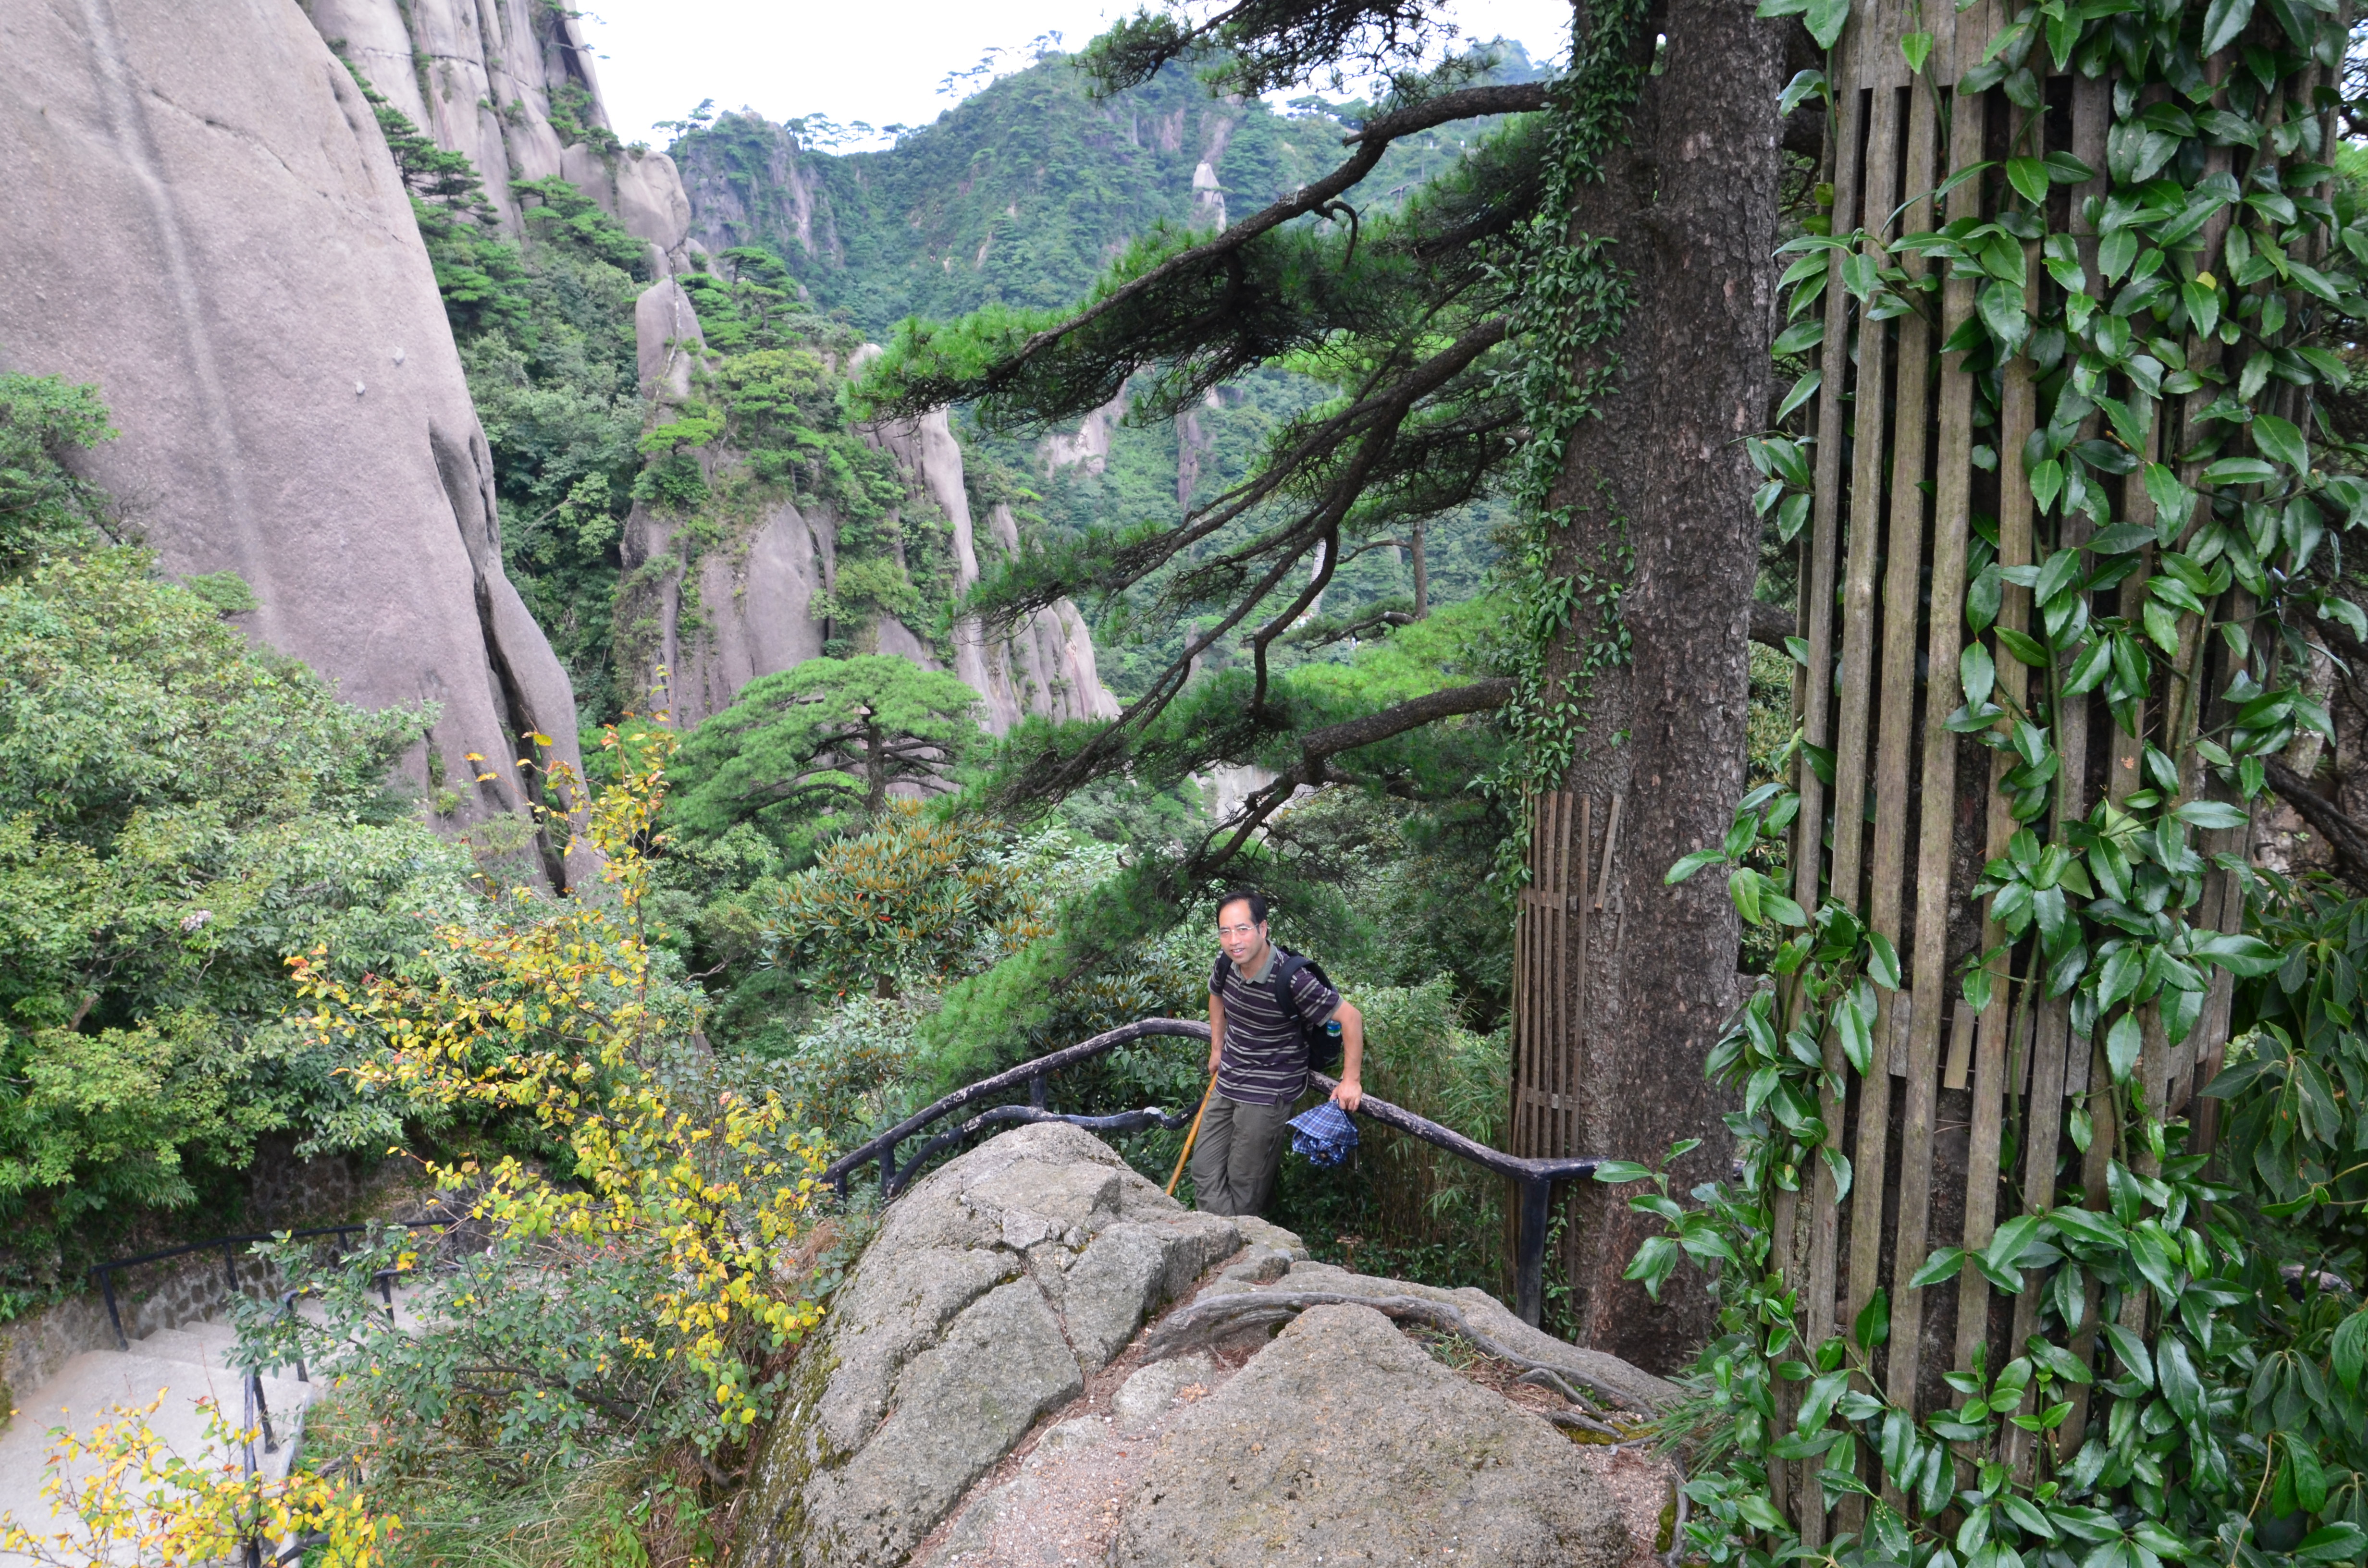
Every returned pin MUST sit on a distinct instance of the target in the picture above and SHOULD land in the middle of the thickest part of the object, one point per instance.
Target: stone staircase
(182, 1366)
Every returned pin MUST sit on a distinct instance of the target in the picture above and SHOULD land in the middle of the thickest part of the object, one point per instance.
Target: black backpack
(1323, 1045)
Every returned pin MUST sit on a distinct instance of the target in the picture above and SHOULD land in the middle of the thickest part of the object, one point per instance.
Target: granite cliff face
(1045, 667)
(207, 223)
(750, 609)
(768, 197)
(204, 221)
(509, 83)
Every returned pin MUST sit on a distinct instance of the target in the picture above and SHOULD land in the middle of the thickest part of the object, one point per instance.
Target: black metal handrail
(882, 1147)
(1533, 1180)
(892, 1183)
(253, 1388)
(105, 1272)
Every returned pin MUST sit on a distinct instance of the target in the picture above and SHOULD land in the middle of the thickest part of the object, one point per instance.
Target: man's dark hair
(1251, 896)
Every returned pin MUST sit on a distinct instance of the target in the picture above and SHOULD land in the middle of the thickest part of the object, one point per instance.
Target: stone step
(92, 1386)
(198, 1344)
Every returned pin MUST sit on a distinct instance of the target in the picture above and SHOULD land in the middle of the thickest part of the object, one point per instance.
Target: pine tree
(1577, 313)
(815, 749)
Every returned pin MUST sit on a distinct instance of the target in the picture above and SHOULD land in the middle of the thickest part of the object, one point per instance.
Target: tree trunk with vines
(1661, 545)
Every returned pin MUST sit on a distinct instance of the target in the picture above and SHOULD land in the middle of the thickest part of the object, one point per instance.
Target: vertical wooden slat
(1555, 1082)
(1963, 1024)
(1533, 962)
(1549, 1043)
(2213, 1027)
(2069, 1434)
(1552, 1043)
(1569, 983)
(1817, 589)
(1577, 905)
(1525, 926)
(1869, 410)
(2122, 772)
(1961, 37)
(1938, 817)
(1895, 741)
(2051, 1037)
(2018, 412)
(1526, 1001)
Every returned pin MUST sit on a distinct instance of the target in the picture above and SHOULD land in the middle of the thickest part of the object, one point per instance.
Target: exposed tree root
(1213, 1317)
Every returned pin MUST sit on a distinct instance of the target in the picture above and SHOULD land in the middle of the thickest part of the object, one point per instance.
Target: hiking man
(1263, 1007)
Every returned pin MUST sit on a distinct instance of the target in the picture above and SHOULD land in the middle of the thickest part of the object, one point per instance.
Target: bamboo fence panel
(1913, 463)
(1549, 977)
(1963, 1117)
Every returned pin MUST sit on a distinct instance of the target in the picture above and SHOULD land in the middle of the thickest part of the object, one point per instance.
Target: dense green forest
(189, 1059)
(1018, 197)
(183, 811)
(228, 932)
(1021, 194)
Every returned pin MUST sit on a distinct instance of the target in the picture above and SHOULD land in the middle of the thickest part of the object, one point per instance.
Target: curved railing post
(114, 1315)
(1533, 1180)
(1535, 1193)
(247, 1444)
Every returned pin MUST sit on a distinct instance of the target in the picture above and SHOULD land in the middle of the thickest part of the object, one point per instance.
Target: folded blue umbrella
(1325, 1135)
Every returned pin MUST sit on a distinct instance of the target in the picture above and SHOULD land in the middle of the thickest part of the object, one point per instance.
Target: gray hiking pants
(1240, 1150)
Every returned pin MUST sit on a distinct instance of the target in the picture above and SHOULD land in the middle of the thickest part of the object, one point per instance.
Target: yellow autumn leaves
(553, 1014)
(121, 1495)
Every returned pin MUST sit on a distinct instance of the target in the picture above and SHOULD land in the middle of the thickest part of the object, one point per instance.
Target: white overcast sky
(877, 61)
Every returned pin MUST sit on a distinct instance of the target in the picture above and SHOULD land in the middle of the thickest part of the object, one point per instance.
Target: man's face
(1242, 939)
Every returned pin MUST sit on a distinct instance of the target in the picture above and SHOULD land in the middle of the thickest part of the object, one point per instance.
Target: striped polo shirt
(1264, 1059)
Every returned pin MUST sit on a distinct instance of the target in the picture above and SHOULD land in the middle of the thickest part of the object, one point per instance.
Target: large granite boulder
(1341, 1442)
(994, 1288)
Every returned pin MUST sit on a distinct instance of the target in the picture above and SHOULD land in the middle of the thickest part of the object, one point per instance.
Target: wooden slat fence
(1920, 475)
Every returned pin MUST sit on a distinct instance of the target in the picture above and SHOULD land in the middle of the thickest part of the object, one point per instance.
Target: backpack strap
(1280, 974)
(1287, 965)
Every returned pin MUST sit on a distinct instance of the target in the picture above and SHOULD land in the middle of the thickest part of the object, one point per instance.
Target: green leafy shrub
(918, 892)
(44, 507)
(849, 1073)
(572, 107)
(628, 1297)
(185, 812)
(559, 213)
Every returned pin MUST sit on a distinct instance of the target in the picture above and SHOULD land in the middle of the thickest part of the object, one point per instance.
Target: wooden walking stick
(1191, 1135)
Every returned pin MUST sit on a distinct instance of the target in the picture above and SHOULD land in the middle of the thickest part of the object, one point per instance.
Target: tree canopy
(184, 812)
(812, 750)
(1406, 315)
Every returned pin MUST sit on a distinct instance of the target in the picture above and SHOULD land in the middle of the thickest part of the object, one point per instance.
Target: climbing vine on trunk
(2176, 1396)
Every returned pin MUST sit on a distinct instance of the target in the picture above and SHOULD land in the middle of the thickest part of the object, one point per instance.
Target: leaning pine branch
(1371, 141)
(1318, 746)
